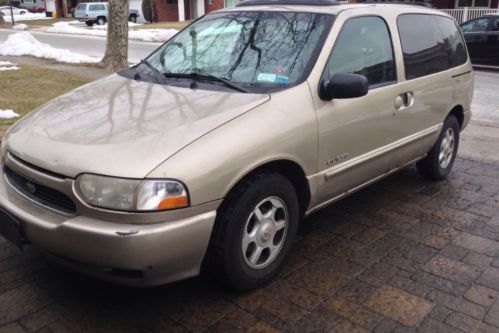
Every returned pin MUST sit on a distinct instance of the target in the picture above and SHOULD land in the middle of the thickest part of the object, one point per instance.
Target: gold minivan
(207, 155)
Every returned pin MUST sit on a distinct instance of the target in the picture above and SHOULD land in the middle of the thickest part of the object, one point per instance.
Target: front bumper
(125, 252)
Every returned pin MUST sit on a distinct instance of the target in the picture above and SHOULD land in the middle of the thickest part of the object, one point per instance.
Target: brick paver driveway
(400, 255)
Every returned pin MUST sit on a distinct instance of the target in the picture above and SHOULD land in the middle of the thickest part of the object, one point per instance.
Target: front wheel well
(458, 112)
(292, 171)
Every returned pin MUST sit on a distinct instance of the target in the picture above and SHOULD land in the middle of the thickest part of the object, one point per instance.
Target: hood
(121, 127)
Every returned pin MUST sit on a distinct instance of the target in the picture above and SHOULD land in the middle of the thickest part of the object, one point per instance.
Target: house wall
(169, 12)
(211, 5)
(166, 12)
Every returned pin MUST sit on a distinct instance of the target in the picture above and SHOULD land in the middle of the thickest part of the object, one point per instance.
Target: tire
(89, 23)
(238, 234)
(100, 21)
(133, 18)
(439, 161)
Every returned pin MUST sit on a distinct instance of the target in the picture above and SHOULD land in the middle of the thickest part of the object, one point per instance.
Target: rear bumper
(127, 253)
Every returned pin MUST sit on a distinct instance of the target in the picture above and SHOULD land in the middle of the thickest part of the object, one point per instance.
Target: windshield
(258, 50)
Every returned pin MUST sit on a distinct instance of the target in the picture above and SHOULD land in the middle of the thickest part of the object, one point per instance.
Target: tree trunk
(116, 56)
(2, 21)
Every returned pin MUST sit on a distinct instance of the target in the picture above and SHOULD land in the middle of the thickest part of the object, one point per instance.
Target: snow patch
(27, 17)
(104, 26)
(23, 43)
(13, 68)
(152, 35)
(8, 114)
(21, 26)
(146, 35)
(8, 66)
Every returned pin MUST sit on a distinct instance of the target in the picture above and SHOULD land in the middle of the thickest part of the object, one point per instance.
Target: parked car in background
(35, 6)
(97, 13)
(209, 153)
(5, 10)
(482, 39)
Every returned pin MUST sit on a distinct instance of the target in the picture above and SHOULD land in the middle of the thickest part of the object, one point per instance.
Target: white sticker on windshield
(266, 77)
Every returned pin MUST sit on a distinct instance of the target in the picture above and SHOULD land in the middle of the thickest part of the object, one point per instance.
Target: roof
(326, 6)
(288, 3)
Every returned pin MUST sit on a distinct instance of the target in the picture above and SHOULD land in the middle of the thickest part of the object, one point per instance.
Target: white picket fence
(464, 14)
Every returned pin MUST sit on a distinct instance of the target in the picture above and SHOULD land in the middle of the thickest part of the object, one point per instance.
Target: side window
(422, 45)
(92, 7)
(476, 25)
(364, 47)
(494, 26)
(453, 41)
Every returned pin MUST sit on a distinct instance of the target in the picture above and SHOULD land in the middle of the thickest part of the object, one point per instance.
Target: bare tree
(116, 56)
(2, 21)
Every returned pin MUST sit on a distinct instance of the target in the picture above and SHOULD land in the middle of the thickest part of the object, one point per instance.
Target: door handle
(404, 101)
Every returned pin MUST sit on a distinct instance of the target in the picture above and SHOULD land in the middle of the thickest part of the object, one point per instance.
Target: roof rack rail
(288, 3)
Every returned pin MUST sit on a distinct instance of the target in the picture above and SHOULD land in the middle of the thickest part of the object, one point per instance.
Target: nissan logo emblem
(31, 187)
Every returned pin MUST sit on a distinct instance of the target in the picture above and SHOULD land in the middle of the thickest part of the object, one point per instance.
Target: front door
(354, 133)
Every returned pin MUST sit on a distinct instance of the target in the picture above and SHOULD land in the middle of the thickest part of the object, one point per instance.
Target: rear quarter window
(430, 44)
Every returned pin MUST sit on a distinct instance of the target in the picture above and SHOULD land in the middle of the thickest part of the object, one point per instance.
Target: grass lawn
(163, 25)
(25, 89)
(45, 23)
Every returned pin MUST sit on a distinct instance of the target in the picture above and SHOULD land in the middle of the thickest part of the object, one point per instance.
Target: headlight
(131, 194)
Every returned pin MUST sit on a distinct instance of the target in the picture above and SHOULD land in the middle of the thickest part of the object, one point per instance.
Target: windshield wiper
(157, 74)
(199, 76)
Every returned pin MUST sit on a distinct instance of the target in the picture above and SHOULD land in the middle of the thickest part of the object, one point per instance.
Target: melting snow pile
(27, 17)
(8, 114)
(21, 26)
(146, 35)
(152, 35)
(7, 66)
(23, 43)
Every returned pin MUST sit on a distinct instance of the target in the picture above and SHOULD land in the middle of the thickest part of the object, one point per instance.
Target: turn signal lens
(171, 203)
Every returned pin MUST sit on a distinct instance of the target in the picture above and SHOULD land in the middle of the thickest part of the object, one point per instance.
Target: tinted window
(494, 24)
(426, 45)
(453, 41)
(476, 25)
(97, 7)
(364, 47)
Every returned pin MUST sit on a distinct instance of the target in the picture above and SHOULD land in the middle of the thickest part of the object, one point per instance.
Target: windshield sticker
(266, 77)
(282, 80)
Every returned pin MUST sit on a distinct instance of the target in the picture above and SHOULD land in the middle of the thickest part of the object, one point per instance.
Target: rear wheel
(133, 18)
(101, 21)
(254, 231)
(439, 161)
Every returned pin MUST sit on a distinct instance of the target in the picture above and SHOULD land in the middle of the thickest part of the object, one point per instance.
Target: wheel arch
(290, 169)
(458, 112)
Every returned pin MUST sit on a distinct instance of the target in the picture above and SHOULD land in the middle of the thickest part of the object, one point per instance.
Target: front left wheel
(254, 231)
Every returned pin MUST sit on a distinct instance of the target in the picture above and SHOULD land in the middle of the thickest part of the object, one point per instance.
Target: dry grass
(45, 23)
(163, 25)
(25, 89)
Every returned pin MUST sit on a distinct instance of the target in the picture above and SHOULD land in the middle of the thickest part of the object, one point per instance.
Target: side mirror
(343, 86)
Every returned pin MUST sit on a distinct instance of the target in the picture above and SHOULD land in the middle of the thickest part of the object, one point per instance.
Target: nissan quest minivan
(207, 154)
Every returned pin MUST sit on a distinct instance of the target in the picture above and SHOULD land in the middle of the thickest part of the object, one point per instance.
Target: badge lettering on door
(337, 159)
